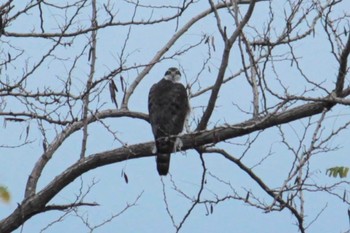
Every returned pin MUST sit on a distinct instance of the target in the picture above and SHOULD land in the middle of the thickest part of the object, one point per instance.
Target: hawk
(168, 109)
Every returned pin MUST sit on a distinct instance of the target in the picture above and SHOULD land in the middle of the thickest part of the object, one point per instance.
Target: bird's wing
(168, 108)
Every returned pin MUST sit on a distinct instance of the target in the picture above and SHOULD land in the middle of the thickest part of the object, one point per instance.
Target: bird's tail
(163, 162)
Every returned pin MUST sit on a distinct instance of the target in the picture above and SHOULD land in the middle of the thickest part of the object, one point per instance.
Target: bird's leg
(154, 149)
(187, 126)
(187, 122)
(178, 144)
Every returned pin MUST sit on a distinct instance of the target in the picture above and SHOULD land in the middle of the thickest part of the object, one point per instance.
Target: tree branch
(224, 62)
(55, 144)
(86, 99)
(276, 196)
(36, 203)
(343, 68)
(68, 206)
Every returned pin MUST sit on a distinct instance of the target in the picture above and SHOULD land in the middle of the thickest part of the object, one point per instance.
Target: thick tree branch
(36, 203)
(43, 160)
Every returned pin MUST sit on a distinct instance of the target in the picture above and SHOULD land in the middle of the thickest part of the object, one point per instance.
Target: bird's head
(172, 74)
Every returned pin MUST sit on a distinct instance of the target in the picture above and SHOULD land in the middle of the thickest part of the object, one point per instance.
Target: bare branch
(343, 68)
(224, 62)
(39, 166)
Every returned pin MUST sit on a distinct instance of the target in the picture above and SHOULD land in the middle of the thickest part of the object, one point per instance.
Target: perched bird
(168, 108)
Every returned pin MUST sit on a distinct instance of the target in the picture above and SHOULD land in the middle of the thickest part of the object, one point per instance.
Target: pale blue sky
(111, 191)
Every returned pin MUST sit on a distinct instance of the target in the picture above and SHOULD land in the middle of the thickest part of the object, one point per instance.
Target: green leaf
(340, 171)
(4, 194)
(345, 171)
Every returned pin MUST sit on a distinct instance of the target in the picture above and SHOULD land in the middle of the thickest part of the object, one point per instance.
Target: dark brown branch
(35, 203)
(343, 68)
(69, 206)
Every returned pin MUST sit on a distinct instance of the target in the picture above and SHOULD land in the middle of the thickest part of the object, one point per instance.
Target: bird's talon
(178, 144)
